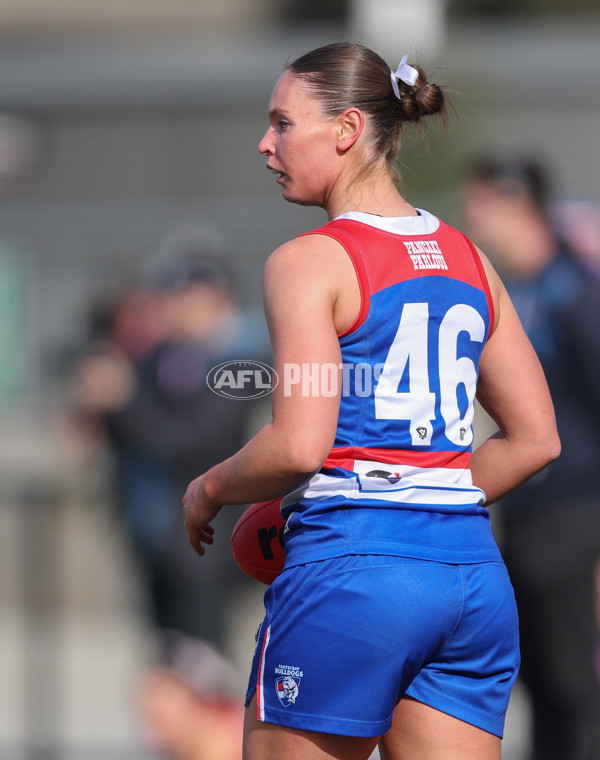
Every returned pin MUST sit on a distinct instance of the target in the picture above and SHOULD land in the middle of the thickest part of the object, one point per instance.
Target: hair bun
(423, 99)
(430, 98)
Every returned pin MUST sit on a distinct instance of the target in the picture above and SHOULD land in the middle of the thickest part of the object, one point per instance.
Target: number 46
(409, 351)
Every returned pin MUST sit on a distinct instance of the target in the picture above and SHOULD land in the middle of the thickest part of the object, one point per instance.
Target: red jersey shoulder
(390, 258)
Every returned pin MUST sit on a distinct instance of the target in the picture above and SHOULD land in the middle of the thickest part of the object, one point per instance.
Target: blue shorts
(344, 639)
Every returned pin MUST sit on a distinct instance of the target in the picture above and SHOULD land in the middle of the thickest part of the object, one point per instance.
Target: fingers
(198, 513)
(200, 537)
(206, 535)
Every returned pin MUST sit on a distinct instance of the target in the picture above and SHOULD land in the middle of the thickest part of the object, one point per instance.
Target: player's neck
(376, 195)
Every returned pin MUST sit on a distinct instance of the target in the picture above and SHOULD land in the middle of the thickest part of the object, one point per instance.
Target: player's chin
(300, 199)
(287, 191)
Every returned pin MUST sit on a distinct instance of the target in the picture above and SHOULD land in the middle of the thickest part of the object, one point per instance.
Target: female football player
(393, 620)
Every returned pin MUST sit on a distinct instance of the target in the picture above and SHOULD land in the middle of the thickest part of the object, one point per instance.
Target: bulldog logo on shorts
(287, 685)
(287, 690)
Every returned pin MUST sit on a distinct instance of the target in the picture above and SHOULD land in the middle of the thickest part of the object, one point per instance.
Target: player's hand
(198, 513)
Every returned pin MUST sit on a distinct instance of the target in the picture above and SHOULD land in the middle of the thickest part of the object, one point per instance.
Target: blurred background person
(550, 528)
(145, 384)
(189, 702)
(577, 221)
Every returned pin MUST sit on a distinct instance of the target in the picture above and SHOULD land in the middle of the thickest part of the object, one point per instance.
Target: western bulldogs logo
(287, 685)
(288, 689)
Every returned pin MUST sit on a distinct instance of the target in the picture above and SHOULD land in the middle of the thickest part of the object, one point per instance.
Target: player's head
(348, 92)
(345, 75)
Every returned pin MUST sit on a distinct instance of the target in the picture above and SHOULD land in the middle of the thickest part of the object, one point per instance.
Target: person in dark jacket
(147, 382)
(550, 527)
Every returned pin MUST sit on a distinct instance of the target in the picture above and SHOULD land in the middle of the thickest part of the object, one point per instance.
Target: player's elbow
(303, 456)
(302, 449)
(552, 447)
(544, 450)
(302, 462)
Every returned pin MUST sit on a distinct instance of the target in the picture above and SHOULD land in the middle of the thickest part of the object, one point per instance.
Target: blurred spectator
(550, 528)
(191, 707)
(146, 382)
(577, 221)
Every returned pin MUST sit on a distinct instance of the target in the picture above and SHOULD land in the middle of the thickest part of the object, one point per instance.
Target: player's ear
(350, 125)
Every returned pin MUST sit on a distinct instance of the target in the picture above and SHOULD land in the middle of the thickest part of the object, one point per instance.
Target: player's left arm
(300, 292)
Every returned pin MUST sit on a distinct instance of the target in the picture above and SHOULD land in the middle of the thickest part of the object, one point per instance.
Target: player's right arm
(512, 389)
(301, 291)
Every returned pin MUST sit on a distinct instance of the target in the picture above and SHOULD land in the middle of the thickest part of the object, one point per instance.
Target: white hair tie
(405, 73)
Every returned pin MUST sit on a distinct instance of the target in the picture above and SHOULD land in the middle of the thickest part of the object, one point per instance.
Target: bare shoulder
(307, 257)
(312, 273)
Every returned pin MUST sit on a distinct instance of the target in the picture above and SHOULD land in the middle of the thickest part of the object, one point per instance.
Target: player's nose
(265, 146)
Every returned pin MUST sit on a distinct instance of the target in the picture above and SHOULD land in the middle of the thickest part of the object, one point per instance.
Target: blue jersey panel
(397, 480)
(407, 353)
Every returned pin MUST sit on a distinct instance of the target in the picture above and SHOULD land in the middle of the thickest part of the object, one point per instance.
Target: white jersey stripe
(400, 484)
(261, 676)
(444, 475)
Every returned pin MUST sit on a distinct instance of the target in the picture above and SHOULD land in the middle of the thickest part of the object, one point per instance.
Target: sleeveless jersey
(397, 480)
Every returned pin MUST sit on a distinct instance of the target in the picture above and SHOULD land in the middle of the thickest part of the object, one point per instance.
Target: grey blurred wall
(142, 133)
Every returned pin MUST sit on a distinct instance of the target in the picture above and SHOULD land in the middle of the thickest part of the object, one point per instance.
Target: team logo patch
(391, 477)
(287, 690)
(287, 685)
